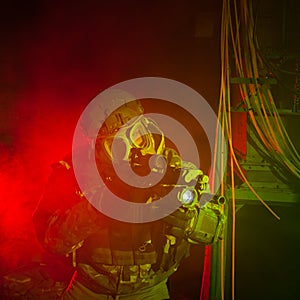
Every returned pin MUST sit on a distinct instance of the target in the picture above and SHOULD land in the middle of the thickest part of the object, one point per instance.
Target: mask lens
(139, 136)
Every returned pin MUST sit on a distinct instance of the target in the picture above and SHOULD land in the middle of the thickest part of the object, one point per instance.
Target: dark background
(55, 57)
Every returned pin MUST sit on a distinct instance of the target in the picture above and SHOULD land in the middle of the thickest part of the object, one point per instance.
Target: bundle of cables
(240, 56)
(272, 137)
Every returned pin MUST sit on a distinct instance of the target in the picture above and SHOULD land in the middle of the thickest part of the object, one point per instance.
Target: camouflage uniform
(114, 259)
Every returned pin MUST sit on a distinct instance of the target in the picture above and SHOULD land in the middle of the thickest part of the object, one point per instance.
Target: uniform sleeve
(64, 218)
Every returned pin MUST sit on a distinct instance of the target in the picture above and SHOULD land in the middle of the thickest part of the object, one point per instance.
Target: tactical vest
(122, 258)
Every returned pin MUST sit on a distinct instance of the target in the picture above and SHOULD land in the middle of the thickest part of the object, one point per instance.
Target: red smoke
(55, 58)
(49, 74)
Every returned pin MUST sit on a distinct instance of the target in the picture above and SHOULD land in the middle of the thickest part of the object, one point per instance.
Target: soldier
(113, 259)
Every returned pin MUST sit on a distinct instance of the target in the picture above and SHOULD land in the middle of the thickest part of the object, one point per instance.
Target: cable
(265, 116)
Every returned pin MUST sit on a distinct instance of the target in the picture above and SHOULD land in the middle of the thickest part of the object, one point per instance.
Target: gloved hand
(192, 173)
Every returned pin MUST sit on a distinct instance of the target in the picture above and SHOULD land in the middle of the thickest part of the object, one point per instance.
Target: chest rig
(121, 258)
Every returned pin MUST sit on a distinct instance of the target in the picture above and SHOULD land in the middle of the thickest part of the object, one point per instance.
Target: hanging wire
(257, 97)
(264, 117)
(239, 30)
(240, 63)
(267, 121)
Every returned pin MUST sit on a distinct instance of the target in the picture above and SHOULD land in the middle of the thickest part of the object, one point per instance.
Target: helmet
(128, 129)
(121, 116)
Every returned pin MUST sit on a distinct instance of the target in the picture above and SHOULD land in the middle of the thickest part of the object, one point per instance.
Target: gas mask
(137, 139)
